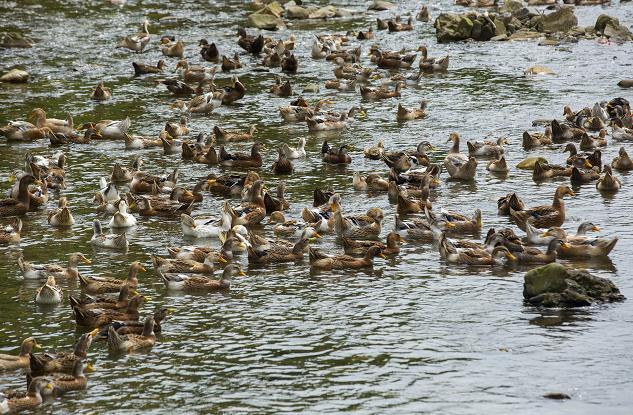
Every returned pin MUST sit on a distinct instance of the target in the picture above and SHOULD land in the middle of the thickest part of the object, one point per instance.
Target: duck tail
(315, 254)
(609, 247)
(83, 281)
(74, 301)
(471, 148)
(22, 264)
(115, 340)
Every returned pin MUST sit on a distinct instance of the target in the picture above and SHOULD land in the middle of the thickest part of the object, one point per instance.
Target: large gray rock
(451, 27)
(483, 28)
(617, 32)
(553, 285)
(560, 20)
(14, 40)
(265, 21)
(511, 6)
(381, 5)
(297, 12)
(323, 13)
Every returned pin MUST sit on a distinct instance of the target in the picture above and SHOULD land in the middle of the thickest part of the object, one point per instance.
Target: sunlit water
(416, 334)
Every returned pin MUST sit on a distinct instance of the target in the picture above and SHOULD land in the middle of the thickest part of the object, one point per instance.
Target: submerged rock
(528, 163)
(381, 5)
(538, 70)
(16, 76)
(268, 18)
(323, 13)
(560, 20)
(554, 285)
(450, 27)
(14, 40)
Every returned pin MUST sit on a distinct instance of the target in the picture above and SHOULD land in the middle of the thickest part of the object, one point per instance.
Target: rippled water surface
(416, 335)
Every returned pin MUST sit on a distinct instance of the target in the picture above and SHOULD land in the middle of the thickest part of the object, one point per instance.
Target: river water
(416, 335)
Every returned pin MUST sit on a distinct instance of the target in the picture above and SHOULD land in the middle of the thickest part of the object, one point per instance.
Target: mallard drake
(511, 200)
(608, 182)
(97, 318)
(234, 135)
(622, 161)
(583, 176)
(174, 50)
(229, 64)
(293, 153)
(334, 155)
(487, 148)
(372, 182)
(33, 271)
(31, 400)
(10, 362)
(101, 285)
(49, 293)
(394, 26)
(428, 64)
(138, 41)
(119, 303)
(322, 261)
(61, 362)
(458, 165)
(544, 216)
(11, 233)
(38, 116)
(588, 143)
(280, 253)
(282, 165)
(186, 266)
(406, 114)
(473, 256)
(372, 94)
(61, 216)
(537, 139)
(19, 205)
(544, 171)
(75, 381)
(128, 343)
(110, 241)
(254, 159)
(498, 166)
(563, 132)
(209, 51)
(251, 213)
(197, 283)
(142, 69)
(355, 247)
(281, 90)
(101, 93)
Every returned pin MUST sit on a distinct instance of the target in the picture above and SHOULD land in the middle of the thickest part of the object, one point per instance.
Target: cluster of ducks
(110, 307)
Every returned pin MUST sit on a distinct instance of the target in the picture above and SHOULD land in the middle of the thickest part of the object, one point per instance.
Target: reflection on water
(415, 334)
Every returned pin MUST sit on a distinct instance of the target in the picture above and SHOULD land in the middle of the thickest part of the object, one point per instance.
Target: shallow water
(416, 334)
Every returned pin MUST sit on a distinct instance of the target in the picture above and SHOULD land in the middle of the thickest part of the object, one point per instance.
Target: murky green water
(416, 334)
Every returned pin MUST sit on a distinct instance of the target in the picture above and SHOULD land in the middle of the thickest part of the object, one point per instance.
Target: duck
(38, 116)
(135, 142)
(535, 256)
(588, 143)
(231, 184)
(31, 271)
(147, 183)
(254, 159)
(233, 92)
(608, 182)
(423, 15)
(372, 182)
(322, 261)
(98, 318)
(110, 241)
(61, 362)
(278, 202)
(281, 90)
(113, 130)
(353, 228)
(373, 94)
(250, 213)
(10, 234)
(229, 64)
(341, 85)
(428, 64)
(76, 380)
(498, 166)
(537, 139)
(588, 248)
(186, 266)
(279, 253)
(142, 68)
(209, 51)
(544, 171)
(458, 165)
(21, 361)
(191, 73)
(202, 104)
(473, 256)
(356, 247)
(148, 208)
(394, 26)
(487, 148)
(19, 205)
(563, 132)
(544, 216)
(407, 114)
(619, 132)
(334, 155)
(121, 302)
(100, 285)
(31, 400)
(622, 161)
(579, 176)
(291, 228)
(199, 283)
(101, 93)
(251, 44)
(458, 223)
(510, 200)
(176, 130)
(375, 152)
(49, 293)
(369, 34)
(290, 64)
(122, 218)
(128, 343)
(24, 131)
(234, 135)
(174, 50)
(122, 174)
(61, 216)
(210, 256)
(178, 88)
(138, 41)
(282, 165)
(136, 327)
(580, 236)
(293, 153)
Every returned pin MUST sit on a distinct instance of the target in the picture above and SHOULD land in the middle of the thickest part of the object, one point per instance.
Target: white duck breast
(108, 191)
(122, 218)
(295, 153)
(49, 293)
(116, 129)
(204, 228)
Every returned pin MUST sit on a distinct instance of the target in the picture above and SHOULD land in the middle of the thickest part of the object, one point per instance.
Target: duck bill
(86, 261)
(222, 260)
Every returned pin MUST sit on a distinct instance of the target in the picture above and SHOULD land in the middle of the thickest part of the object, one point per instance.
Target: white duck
(49, 293)
(204, 228)
(122, 218)
(295, 153)
(115, 130)
(110, 241)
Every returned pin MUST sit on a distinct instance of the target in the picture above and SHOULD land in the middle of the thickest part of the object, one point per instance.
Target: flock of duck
(111, 308)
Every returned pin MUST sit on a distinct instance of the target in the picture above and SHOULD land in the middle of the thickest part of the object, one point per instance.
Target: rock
(560, 20)
(556, 395)
(380, 5)
(528, 163)
(343, 12)
(525, 34)
(511, 6)
(314, 88)
(626, 83)
(549, 42)
(483, 28)
(602, 20)
(617, 32)
(500, 27)
(265, 21)
(554, 285)
(297, 12)
(499, 38)
(15, 40)
(451, 27)
(538, 70)
(323, 13)
(15, 76)
(274, 9)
